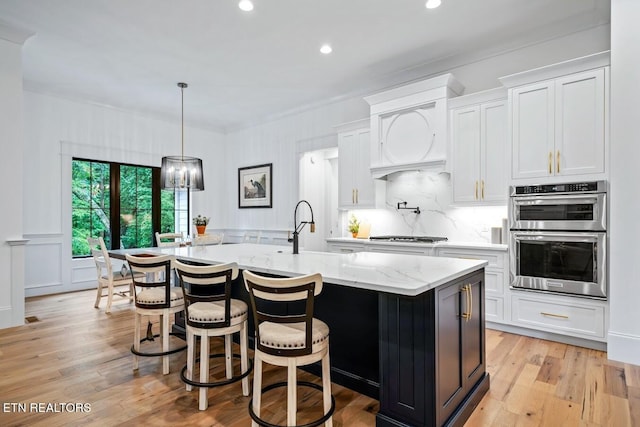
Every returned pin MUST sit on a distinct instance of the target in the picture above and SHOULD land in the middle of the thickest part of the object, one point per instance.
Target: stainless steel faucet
(298, 227)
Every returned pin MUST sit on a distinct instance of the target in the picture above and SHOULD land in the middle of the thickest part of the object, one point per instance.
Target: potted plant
(201, 223)
(354, 226)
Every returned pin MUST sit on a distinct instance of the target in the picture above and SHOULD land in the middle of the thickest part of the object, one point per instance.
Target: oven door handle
(547, 200)
(558, 237)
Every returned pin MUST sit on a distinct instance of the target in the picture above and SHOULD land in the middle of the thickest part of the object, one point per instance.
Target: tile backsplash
(432, 193)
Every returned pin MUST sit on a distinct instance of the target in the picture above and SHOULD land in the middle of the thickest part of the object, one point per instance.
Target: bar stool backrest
(207, 283)
(271, 300)
(156, 273)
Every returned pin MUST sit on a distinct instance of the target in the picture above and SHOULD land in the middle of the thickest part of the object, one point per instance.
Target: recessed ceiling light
(326, 49)
(432, 4)
(246, 5)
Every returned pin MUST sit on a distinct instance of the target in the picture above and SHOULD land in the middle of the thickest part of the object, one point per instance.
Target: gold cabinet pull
(483, 189)
(470, 299)
(550, 161)
(560, 316)
(476, 191)
(353, 196)
(466, 315)
(357, 199)
(558, 162)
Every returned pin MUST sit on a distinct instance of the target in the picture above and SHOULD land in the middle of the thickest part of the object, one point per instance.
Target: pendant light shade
(181, 172)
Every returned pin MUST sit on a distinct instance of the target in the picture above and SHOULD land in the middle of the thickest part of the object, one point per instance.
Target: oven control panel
(574, 187)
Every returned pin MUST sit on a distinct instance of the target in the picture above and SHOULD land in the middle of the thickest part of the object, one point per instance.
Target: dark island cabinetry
(432, 354)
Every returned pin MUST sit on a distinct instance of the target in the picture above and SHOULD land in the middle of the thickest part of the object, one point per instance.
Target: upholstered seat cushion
(292, 335)
(205, 312)
(156, 296)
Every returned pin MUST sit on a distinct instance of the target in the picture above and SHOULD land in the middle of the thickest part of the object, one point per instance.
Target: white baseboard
(624, 348)
(580, 342)
(56, 289)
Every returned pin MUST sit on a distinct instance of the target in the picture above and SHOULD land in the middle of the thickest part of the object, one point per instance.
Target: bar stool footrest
(162, 353)
(217, 383)
(315, 423)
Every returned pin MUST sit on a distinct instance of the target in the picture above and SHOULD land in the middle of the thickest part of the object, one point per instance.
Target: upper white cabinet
(580, 123)
(559, 125)
(356, 188)
(409, 125)
(479, 146)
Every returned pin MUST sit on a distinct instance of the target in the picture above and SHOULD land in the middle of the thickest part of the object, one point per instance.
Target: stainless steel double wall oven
(558, 238)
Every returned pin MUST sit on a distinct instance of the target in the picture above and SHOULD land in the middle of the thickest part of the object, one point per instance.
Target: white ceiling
(243, 68)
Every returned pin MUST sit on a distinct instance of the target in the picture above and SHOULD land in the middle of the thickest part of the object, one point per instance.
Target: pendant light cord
(182, 86)
(182, 119)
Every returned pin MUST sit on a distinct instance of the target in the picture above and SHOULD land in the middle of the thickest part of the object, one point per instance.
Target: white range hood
(409, 126)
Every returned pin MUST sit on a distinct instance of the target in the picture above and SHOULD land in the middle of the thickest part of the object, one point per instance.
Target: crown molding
(14, 34)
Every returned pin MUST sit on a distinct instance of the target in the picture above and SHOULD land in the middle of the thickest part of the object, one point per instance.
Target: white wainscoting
(43, 262)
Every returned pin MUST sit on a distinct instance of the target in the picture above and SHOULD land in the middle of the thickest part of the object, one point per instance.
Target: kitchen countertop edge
(447, 244)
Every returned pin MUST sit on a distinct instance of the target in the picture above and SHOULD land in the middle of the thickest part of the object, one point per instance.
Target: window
(90, 201)
(127, 196)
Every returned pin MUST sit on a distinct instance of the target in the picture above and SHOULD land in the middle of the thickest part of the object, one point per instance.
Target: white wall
(318, 186)
(282, 142)
(624, 330)
(11, 165)
(484, 74)
(59, 129)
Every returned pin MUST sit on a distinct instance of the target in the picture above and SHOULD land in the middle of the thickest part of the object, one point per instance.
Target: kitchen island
(407, 330)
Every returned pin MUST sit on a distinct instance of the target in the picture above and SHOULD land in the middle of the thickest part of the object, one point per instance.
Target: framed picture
(254, 186)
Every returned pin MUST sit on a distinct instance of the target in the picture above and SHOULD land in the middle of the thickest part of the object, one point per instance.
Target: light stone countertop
(447, 244)
(408, 275)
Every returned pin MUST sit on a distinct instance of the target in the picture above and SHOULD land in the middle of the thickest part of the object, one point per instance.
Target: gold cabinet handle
(470, 299)
(550, 161)
(353, 196)
(466, 315)
(560, 316)
(357, 198)
(558, 162)
(483, 189)
(476, 191)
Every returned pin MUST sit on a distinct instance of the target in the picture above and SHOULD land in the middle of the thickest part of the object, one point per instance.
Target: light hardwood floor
(77, 354)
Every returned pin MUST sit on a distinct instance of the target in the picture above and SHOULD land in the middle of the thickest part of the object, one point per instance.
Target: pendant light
(181, 172)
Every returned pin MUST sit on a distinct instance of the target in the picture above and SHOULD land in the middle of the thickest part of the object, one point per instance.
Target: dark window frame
(114, 200)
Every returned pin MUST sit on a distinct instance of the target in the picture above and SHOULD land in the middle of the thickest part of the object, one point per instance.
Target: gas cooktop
(420, 239)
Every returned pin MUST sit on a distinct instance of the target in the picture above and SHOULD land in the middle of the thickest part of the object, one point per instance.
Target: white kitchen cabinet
(399, 249)
(532, 126)
(479, 145)
(356, 187)
(580, 123)
(409, 126)
(578, 317)
(559, 125)
(345, 247)
(496, 277)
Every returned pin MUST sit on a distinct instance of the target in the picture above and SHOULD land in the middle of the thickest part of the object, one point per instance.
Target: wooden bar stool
(211, 312)
(290, 340)
(154, 296)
